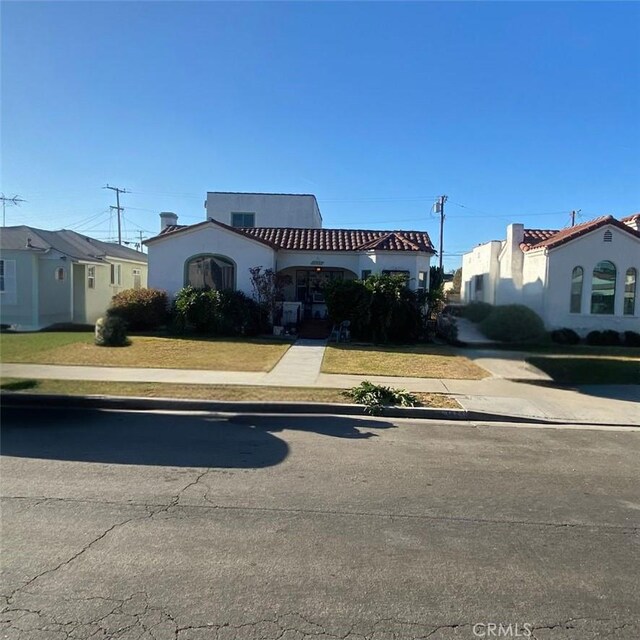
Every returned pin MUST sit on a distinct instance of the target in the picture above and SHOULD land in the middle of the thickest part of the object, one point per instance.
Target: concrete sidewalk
(595, 404)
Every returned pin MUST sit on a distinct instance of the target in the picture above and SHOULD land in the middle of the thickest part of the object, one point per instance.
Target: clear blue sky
(518, 111)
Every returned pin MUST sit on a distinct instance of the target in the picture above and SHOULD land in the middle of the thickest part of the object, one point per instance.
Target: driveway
(159, 525)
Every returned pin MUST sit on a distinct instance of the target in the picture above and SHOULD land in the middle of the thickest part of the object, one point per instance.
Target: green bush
(476, 311)
(447, 329)
(141, 309)
(375, 397)
(513, 323)
(349, 300)
(565, 336)
(217, 313)
(608, 338)
(111, 332)
(381, 308)
(631, 339)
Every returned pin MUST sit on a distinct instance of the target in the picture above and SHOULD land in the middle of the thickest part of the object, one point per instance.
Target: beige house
(54, 277)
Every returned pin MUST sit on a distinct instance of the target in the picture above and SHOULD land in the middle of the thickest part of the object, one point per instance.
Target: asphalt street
(153, 526)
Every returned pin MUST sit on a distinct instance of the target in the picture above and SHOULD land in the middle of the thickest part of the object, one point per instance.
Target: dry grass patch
(419, 361)
(200, 392)
(161, 352)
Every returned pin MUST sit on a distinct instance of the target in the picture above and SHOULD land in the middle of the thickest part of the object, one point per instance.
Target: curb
(134, 403)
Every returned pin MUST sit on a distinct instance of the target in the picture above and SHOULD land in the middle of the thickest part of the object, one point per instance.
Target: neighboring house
(582, 277)
(52, 277)
(283, 233)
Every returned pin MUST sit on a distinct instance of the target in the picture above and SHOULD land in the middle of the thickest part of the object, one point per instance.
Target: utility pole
(14, 200)
(141, 245)
(440, 209)
(118, 208)
(573, 217)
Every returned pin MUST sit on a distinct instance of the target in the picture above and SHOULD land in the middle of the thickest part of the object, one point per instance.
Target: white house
(282, 232)
(54, 277)
(583, 277)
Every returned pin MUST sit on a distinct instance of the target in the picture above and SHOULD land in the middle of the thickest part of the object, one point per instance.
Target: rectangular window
(91, 277)
(422, 280)
(116, 274)
(241, 219)
(137, 279)
(365, 274)
(8, 282)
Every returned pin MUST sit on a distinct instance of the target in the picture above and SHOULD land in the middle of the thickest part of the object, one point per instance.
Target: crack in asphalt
(175, 502)
(151, 512)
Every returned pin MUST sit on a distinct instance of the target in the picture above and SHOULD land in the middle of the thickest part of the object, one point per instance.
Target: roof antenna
(575, 213)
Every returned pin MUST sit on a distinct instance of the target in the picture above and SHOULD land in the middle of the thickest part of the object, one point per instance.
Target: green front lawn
(77, 348)
(584, 370)
(201, 391)
(416, 361)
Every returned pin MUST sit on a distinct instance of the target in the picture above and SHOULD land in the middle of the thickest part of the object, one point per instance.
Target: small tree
(457, 281)
(268, 289)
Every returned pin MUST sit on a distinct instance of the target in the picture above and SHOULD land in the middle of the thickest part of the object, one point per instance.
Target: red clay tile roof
(555, 239)
(342, 239)
(299, 239)
(633, 216)
(534, 236)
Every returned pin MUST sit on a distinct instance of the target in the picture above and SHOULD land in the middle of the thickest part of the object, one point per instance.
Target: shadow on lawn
(144, 438)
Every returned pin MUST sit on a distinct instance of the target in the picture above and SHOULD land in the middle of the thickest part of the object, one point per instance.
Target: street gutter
(135, 403)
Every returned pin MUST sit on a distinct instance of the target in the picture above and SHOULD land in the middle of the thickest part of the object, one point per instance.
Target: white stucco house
(583, 277)
(61, 277)
(282, 232)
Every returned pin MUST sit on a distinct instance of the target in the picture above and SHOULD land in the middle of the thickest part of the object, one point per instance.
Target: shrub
(397, 314)
(631, 339)
(447, 329)
(565, 336)
(349, 300)
(223, 313)
(476, 311)
(608, 338)
(381, 308)
(513, 323)
(111, 332)
(141, 309)
(375, 397)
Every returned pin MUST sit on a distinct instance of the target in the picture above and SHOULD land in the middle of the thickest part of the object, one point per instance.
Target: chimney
(167, 218)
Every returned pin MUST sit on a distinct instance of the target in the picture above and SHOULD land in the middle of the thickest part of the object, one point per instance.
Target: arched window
(630, 292)
(603, 288)
(576, 290)
(210, 272)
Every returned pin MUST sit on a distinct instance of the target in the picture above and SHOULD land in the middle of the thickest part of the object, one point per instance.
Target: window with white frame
(91, 277)
(8, 281)
(630, 279)
(603, 288)
(116, 275)
(137, 279)
(422, 280)
(577, 277)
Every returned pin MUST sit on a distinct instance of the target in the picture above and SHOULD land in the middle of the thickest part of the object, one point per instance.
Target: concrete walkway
(300, 365)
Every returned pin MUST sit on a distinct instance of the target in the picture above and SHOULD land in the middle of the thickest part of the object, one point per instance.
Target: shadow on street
(142, 438)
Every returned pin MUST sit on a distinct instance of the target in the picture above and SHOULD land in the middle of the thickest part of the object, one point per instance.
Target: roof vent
(608, 236)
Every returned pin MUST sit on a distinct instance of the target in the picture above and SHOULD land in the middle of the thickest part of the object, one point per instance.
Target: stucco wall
(271, 210)
(167, 256)
(18, 307)
(586, 252)
(54, 295)
(482, 260)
